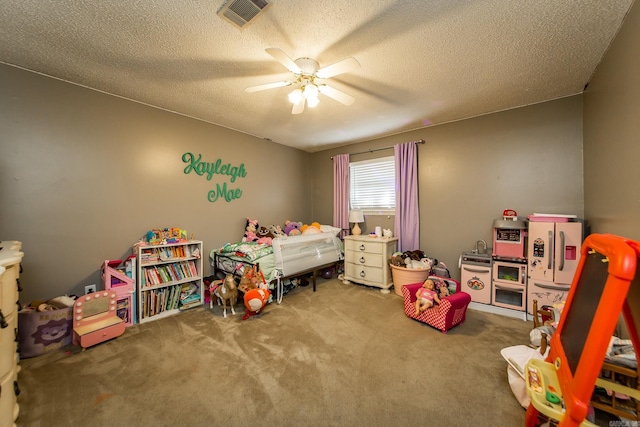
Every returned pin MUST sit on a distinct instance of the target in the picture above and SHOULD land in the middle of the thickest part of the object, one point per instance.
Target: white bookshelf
(166, 274)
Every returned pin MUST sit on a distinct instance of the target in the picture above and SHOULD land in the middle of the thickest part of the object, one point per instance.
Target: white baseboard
(498, 310)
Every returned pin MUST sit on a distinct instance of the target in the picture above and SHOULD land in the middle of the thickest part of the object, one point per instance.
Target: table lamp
(356, 216)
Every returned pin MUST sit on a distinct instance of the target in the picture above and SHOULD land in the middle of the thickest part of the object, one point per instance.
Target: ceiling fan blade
(298, 107)
(344, 66)
(284, 59)
(267, 86)
(336, 94)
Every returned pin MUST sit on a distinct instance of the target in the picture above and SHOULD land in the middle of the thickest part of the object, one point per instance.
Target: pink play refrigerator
(553, 252)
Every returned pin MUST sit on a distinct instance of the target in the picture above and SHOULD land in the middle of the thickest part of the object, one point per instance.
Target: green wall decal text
(227, 194)
(209, 169)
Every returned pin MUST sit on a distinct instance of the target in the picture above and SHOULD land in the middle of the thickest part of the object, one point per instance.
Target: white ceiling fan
(308, 78)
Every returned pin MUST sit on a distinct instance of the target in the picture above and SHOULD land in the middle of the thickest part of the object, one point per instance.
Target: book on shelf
(189, 295)
(177, 271)
(192, 268)
(183, 272)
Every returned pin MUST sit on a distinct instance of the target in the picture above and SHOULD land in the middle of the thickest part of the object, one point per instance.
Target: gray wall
(612, 136)
(528, 159)
(84, 175)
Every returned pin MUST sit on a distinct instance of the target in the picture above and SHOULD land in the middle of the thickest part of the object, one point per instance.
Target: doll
(426, 296)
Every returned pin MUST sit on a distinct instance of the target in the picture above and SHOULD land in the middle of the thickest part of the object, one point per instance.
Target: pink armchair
(450, 312)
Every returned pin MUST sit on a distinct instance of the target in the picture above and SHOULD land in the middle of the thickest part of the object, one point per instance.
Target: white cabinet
(169, 279)
(366, 260)
(10, 259)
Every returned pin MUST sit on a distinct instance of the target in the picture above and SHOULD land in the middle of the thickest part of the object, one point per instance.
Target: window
(372, 185)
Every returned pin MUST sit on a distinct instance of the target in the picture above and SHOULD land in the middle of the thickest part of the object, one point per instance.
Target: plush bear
(292, 228)
(397, 260)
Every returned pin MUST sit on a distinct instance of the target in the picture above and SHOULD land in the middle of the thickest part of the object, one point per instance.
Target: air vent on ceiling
(241, 12)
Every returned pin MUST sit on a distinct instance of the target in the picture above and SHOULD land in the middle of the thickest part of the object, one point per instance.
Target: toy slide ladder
(122, 285)
(605, 285)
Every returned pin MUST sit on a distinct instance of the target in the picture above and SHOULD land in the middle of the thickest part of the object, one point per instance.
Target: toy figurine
(426, 296)
(442, 289)
(226, 293)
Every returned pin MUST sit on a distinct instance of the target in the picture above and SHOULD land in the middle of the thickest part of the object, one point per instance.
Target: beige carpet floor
(345, 355)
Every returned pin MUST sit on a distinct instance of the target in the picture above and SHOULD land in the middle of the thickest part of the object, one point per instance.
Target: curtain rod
(420, 141)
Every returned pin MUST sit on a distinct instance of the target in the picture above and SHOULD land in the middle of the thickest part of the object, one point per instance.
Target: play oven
(509, 281)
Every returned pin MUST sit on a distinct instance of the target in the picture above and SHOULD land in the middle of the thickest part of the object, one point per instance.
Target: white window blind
(372, 184)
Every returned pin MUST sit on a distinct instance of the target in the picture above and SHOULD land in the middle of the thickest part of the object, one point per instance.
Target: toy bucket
(406, 276)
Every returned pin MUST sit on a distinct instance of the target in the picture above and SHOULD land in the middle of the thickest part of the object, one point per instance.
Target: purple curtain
(407, 221)
(341, 192)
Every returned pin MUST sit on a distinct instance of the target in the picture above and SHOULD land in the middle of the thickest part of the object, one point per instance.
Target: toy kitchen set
(533, 258)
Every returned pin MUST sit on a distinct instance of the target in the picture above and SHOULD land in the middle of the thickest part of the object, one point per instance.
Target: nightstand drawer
(372, 260)
(373, 247)
(368, 275)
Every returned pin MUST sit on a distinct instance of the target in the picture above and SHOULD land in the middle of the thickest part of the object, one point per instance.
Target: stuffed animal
(415, 254)
(264, 236)
(250, 230)
(423, 264)
(264, 232)
(292, 228)
(277, 231)
(254, 301)
(314, 228)
(251, 279)
(397, 260)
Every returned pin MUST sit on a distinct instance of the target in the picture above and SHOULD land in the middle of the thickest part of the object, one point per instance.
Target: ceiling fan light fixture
(295, 96)
(310, 91)
(306, 71)
(312, 101)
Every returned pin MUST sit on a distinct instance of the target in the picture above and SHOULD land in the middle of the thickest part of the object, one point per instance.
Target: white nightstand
(366, 260)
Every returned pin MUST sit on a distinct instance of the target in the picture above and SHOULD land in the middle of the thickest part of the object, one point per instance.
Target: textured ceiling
(423, 62)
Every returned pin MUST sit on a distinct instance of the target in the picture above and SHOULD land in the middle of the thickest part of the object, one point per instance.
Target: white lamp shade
(313, 101)
(356, 216)
(295, 96)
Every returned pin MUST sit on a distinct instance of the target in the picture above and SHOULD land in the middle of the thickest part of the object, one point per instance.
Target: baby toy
(426, 296)
(226, 292)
